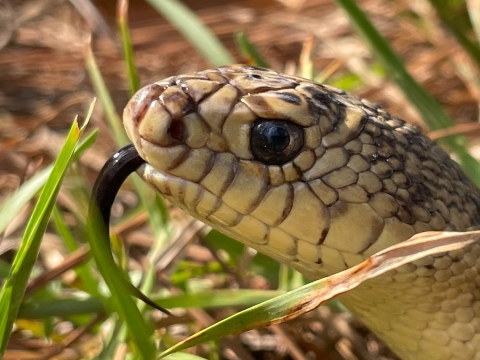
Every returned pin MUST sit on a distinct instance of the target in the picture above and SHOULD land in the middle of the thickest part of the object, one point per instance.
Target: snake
(319, 180)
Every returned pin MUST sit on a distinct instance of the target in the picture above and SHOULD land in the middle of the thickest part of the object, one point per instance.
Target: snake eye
(274, 142)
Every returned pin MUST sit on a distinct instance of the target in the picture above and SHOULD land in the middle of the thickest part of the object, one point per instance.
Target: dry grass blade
(297, 302)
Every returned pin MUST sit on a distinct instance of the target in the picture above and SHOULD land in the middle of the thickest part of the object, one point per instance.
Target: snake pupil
(275, 142)
(276, 138)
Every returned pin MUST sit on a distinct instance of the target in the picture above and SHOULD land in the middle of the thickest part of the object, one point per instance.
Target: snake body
(320, 180)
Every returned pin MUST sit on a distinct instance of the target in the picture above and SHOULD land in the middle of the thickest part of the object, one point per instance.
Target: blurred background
(44, 84)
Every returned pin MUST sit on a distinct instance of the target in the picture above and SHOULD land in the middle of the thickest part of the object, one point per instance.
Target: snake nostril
(178, 131)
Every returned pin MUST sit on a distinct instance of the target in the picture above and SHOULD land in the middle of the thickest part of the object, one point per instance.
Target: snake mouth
(168, 185)
(192, 197)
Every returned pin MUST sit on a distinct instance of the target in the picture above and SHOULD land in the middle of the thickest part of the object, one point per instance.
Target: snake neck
(428, 309)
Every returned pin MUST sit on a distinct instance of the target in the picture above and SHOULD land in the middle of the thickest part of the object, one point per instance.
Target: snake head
(303, 172)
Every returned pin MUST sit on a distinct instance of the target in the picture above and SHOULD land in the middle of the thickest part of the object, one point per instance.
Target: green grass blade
(443, 9)
(101, 90)
(205, 299)
(88, 141)
(218, 298)
(192, 28)
(14, 287)
(256, 316)
(249, 51)
(433, 115)
(122, 23)
(69, 307)
(83, 271)
(61, 308)
(115, 280)
(428, 108)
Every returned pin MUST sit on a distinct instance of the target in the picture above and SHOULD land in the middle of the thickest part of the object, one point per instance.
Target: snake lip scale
(320, 180)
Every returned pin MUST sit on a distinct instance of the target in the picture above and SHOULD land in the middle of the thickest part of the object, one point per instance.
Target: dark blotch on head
(319, 95)
(289, 98)
(142, 100)
(323, 235)
(251, 76)
(179, 97)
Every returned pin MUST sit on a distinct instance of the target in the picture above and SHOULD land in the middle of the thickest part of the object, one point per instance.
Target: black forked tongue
(111, 177)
